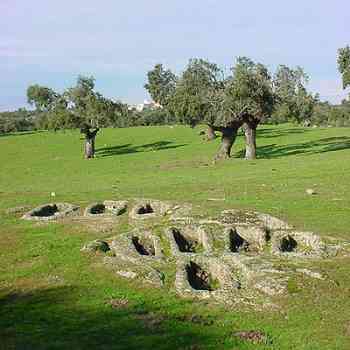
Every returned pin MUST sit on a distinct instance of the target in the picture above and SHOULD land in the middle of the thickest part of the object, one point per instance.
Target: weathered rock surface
(107, 208)
(146, 209)
(52, 211)
(17, 210)
(240, 257)
(96, 246)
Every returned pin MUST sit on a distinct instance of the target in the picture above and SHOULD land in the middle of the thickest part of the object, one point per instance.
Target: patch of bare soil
(121, 303)
(151, 320)
(196, 319)
(95, 225)
(256, 337)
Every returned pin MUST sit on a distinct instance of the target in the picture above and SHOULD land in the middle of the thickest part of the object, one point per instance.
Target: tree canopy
(161, 84)
(41, 97)
(344, 65)
(195, 93)
(293, 101)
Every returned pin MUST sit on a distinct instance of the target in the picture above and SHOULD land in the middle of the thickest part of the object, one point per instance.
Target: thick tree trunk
(93, 147)
(211, 133)
(89, 148)
(227, 140)
(250, 140)
(89, 142)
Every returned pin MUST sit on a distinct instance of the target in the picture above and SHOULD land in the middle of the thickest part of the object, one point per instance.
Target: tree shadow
(55, 318)
(329, 144)
(21, 133)
(271, 133)
(129, 148)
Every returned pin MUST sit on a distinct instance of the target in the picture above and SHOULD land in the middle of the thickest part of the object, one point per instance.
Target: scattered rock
(118, 303)
(311, 191)
(127, 274)
(55, 279)
(17, 210)
(270, 286)
(311, 273)
(96, 246)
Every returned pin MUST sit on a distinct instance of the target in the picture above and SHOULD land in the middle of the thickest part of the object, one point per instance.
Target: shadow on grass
(53, 319)
(129, 148)
(329, 144)
(21, 133)
(271, 133)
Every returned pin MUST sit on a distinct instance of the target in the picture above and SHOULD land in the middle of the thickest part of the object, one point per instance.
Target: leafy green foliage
(250, 90)
(77, 105)
(202, 93)
(41, 97)
(196, 93)
(344, 65)
(20, 120)
(293, 101)
(82, 95)
(324, 114)
(161, 84)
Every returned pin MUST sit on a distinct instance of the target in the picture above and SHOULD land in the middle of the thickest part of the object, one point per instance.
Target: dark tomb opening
(47, 210)
(184, 244)
(237, 243)
(144, 246)
(145, 209)
(98, 209)
(288, 244)
(198, 278)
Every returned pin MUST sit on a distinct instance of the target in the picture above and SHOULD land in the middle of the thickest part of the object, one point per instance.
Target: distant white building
(148, 105)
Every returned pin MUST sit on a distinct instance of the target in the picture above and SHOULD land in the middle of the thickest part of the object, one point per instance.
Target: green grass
(54, 297)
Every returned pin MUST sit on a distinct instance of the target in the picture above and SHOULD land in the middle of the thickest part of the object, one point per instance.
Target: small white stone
(311, 273)
(310, 191)
(127, 274)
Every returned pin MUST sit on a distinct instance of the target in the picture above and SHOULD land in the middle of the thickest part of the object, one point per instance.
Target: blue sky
(51, 42)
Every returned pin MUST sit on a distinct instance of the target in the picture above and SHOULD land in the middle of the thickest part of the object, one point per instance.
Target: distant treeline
(324, 114)
(24, 120)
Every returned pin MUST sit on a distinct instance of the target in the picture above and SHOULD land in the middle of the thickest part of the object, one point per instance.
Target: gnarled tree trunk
(250, 140)
(211, 133)
(90, 136)
(228, 138)
(89, 148)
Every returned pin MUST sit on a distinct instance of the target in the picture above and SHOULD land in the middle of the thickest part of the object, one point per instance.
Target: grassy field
(54, 297)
